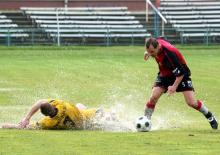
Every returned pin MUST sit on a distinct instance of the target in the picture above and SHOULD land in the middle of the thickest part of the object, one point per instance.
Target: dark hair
(47, 109)
(151, 41)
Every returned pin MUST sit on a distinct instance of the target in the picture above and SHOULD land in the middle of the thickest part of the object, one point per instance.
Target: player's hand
(23, 123)
(146, 55)
(171, 90)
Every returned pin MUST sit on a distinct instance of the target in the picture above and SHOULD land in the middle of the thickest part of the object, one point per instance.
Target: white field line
(10, 89)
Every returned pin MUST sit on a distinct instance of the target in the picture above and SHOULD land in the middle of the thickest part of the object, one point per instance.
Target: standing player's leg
(200, 106)
(150, 105)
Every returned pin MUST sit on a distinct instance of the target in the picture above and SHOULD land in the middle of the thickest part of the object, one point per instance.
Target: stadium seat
(193, 18)
(75, 9)
(100, 35)
(83, 17)
(189, 8)
(87, 22)
(200, 34)
(9, 29)
(190, 3)
(14, 35)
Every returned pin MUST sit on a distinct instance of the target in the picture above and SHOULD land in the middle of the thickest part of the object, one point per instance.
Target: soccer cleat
(213, 122)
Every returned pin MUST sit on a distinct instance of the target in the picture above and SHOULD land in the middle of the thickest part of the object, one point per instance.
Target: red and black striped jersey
(170, 60)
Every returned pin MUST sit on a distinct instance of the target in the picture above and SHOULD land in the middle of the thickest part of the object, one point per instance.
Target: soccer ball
(143, 124)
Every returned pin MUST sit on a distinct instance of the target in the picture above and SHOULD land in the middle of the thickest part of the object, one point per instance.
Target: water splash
(118, 118)
(121, 118)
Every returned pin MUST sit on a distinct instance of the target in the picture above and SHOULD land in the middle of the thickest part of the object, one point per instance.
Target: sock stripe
(150, 105)
(199, 105)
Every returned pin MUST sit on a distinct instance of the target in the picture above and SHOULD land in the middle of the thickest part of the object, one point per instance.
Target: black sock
(208, 115)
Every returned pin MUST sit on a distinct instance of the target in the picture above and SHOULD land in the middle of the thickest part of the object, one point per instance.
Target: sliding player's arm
(11, 126)
(25, 121)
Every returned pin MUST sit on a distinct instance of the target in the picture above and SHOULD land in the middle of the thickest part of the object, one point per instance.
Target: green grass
(194, 141)
(106, 76)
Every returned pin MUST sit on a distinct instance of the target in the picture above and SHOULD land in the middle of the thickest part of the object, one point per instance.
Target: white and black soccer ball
(143, 124)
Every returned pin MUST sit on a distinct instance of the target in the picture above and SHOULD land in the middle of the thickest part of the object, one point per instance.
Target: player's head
(152, 46)
(48, 110)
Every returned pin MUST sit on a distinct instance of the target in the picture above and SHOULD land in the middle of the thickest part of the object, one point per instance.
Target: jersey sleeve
(47, 123)
(177, 68)
(75, 115)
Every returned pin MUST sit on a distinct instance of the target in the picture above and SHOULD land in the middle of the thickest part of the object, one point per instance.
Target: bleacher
(97, 24)
(194, 20)
(10, 31)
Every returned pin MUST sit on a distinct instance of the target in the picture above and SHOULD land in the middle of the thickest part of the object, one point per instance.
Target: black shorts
(165, 82)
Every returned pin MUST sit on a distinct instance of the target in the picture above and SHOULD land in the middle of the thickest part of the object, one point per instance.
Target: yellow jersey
(68, 116)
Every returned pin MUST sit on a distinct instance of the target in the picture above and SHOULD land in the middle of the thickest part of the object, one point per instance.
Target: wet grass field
(112, 77)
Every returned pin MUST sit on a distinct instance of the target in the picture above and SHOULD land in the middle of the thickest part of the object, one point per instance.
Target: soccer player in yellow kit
(58, 115)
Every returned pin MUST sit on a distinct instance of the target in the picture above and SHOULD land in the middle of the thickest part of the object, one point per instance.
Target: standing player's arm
(25, 121)
(178, 71)
(146, 55)
(172, 89)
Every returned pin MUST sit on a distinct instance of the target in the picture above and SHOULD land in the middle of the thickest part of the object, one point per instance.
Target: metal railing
(38, 36)
(157, 13)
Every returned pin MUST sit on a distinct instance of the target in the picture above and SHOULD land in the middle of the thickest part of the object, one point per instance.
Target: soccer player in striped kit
(174, 76)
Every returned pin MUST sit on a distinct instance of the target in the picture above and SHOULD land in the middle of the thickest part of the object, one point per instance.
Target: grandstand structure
(107, 22)
(10, 30)
(87, 25)
(193, 20)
